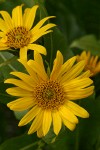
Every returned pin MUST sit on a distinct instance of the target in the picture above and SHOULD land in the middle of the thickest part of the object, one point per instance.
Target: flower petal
(40, 132)
(66, 66)
(21, 104)
(29, 116)
(57, 122)
(42, 31)
(7, 18)
(2, 34)
(79, 93)
(57, 65)
(30, 17)
(29, 70)
(40, 23)
(39, 48)
(20, 100)
(19, 83)
(67, 114)
(23, 53)
(25, 77)
(40, 71)
(84, 75)
(36, 124)
(47, 119)
(77, 110)
(68, 124)
(73, 72)
(80, 83)
(3, 26)
(17, 16)
(16, 91)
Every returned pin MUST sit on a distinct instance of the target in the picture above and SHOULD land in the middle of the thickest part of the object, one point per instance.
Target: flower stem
(77, 139)
(39, 143)
(51, 56)
(7, 61)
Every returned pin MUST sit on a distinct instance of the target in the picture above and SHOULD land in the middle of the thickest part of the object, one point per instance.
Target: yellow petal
(3, 26)
(25, 77)
(7, 18)
(17, 16)
(42, 31)
(21, 104)
(2, 34)
(3, 48)
(40, 71)
(57, 122)
(23, 53)
(20, 100)
(40, 23)
(47, 119)
(66, 66)
(29, 116)
(16, 91)
(68, 124)
(80, 83)
(36, 124)
(84, 75)
(67, 114)
(73, 72)
(25, 15)
(29, 70)
(19, 83)
(79, 93)
(95, 61)
(40, 132)
(57, 65)
(30, 17)
(38, 59)
(39, 48)
(77, 110)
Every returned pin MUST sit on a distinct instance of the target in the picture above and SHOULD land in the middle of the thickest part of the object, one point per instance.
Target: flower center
(49, 95)
(18, 37)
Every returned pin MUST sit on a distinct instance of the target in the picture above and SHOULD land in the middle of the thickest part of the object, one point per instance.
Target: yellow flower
(49, 98)
(91, 62)
(17, 32)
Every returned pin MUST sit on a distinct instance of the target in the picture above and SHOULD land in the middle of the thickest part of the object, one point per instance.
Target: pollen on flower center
(18, 37)
(49, 95)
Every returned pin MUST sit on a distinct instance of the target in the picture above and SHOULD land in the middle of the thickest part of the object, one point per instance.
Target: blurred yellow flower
(91, 62)
(17, 32)
(49, 98)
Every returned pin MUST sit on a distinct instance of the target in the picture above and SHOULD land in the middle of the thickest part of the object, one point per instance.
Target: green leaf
(8, 63)
(89, 129)
(24, 142)
(56, 41)
(88, 43)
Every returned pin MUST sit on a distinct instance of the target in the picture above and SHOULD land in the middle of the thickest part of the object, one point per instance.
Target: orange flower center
(18, 37)
(49, 95)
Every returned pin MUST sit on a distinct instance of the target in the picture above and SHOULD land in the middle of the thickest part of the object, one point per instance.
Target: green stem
(51, 56)
(30, 145)
(77, 134)
(51, 40)
(7, 61)
(77, 139)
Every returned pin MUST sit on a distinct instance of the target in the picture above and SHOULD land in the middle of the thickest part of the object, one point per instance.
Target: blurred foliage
(78, 28)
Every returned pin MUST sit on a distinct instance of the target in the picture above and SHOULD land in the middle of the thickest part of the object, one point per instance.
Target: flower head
(49, 99)
(17, 31)
(91, 62)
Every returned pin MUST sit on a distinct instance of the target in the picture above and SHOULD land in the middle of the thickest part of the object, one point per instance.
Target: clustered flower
(48, 98)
